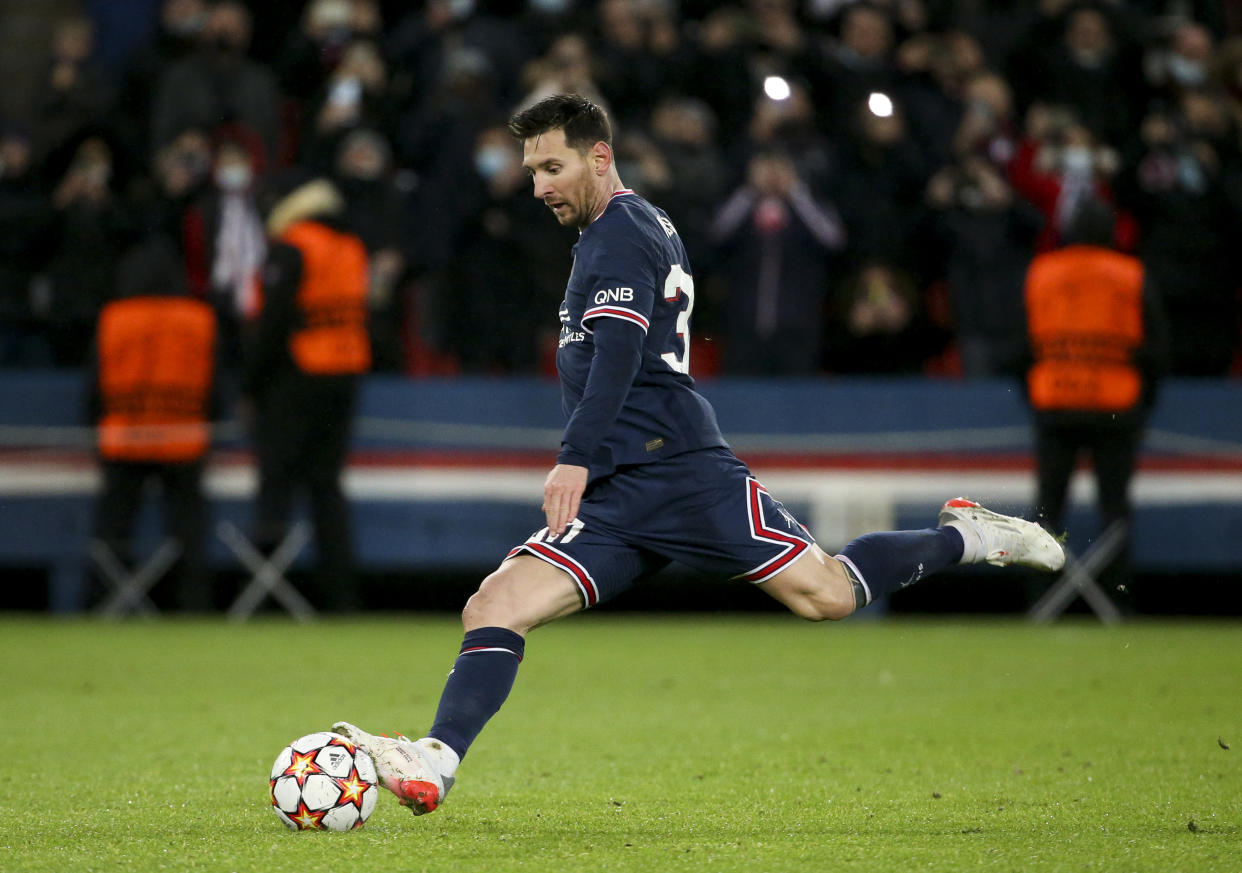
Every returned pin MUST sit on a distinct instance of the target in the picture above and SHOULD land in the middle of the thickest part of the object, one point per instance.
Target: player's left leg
(818, 587)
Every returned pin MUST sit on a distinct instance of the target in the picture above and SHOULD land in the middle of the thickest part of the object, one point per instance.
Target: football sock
(478, 684)
(881, 563)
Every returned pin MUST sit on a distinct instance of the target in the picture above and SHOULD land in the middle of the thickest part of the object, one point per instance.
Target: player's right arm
(617, 357)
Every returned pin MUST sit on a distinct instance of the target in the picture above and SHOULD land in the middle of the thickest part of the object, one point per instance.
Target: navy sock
(480, 681)
(886, 562)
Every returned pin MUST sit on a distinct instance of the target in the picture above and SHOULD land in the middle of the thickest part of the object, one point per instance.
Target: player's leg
(523, 593)
(818, 587)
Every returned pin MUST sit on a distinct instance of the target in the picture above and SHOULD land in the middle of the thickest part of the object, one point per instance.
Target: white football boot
(419, 773)
(1001, 539)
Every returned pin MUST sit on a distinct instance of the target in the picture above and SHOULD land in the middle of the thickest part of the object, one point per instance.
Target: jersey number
(680, 282)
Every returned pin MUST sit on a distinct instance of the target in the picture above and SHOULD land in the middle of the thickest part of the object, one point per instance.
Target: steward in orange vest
(152, 398)
(1096, 352)
(307, 347)
(156, 362)
(1084, 309)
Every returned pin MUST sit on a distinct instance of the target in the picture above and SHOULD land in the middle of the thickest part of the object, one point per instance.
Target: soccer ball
(323, 782)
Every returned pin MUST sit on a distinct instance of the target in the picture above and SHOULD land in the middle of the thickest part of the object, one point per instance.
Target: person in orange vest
(1096, 354)
(153, 394)
(307, 347)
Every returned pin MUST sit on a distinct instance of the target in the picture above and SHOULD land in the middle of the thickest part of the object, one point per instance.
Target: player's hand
(561, 493)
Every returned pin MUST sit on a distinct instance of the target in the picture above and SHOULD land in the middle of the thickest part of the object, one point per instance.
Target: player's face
(565, 179)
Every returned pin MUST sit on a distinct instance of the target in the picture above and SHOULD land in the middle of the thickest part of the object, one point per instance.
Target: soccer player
(644, 476)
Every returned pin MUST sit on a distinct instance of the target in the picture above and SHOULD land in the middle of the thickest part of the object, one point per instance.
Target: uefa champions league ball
(323, 782)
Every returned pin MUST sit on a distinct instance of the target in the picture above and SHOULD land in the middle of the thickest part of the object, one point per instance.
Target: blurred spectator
(719, 71)
(985, 235)
(775, 243)
(637, 56)
(421, 44)
(306, 349)
(354, 96)
(683, 129)
(1097, 354)
(377, 210)
(75, 95)
(494, 274)
(152, 400)
(1059, 163)
(844, 71)
(987, 127)
(218, 84)
(1179, 189)
(1184, 63)
(1081, 55)
(180, 25)
(182, 173)
(936, 69)
(90, 229)
(785, 121)
(565, 68)
(313, 52)
(25, 214)
(880, 185)
(226, 245)
(878, 324)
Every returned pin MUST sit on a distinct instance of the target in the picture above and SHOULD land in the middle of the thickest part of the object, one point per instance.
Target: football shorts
(702, 509)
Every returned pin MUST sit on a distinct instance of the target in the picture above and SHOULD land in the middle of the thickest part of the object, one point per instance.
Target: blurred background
(860, 186)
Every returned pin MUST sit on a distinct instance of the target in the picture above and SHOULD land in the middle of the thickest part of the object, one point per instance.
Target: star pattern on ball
(352, 788)
(307, 819)
(302, 766)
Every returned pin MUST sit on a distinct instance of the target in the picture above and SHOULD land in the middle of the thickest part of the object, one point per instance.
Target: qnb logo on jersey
(669, 230)
(614, 295)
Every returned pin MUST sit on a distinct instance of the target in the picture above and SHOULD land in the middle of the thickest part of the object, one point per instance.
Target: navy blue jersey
(629, 264)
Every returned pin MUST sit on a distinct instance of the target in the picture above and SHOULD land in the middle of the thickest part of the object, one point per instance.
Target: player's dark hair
(584, 123)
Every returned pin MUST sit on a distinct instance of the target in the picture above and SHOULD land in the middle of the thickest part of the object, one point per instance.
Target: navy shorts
(703, 509)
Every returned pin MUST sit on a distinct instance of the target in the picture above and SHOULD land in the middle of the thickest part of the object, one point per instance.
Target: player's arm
(618, 355)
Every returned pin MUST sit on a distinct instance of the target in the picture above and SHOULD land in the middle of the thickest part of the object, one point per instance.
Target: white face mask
(1076, 159)
(233, 177)
(490, 161)
(1184, 71)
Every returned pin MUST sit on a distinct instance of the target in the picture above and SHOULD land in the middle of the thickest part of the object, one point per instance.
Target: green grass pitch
(695, 743)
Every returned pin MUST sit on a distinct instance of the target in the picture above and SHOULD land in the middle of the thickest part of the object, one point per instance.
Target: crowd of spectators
(860, 185)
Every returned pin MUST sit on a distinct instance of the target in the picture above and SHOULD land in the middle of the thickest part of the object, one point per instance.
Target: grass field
(703, 743)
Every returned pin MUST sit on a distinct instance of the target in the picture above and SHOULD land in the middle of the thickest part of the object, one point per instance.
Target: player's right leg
(523, 593)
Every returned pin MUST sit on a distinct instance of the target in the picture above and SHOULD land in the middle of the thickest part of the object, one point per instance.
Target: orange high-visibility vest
(1084, 310)
(156, 358)
(332, 297)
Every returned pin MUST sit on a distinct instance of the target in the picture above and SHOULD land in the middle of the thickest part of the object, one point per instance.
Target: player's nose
(542, 188)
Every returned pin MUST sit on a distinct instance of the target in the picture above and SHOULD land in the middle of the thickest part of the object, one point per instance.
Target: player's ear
(601, 157)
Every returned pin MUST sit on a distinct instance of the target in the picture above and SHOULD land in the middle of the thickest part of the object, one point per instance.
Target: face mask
(1185, 71)
(1076, 159)
(233, 177)
(490, 161)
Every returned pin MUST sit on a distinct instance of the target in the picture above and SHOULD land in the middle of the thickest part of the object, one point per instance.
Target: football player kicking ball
(644, 476)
